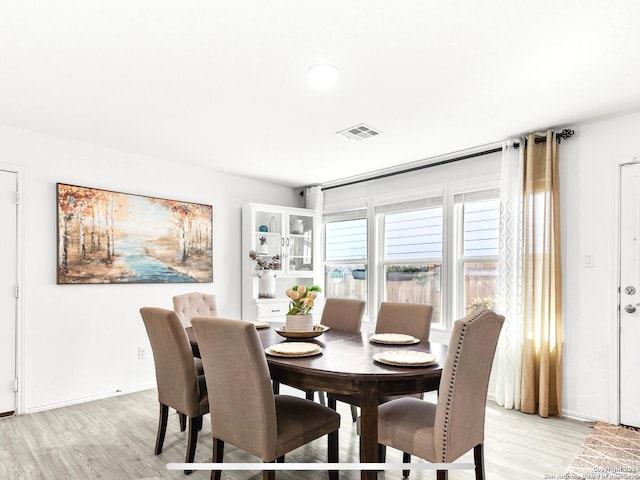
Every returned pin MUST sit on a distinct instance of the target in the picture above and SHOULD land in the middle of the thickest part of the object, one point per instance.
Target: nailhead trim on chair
(447, 415)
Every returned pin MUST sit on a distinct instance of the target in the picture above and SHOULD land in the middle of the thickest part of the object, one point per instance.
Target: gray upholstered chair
(245, 411)
(179, 385)
(408, 318)
(445, 431)
(189, 305)
(343, 314)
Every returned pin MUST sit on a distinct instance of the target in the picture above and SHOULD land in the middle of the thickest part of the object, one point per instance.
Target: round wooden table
(346, 367)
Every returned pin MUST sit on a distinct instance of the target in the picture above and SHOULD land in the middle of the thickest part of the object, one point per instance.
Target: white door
(630, 296)
(8, 282)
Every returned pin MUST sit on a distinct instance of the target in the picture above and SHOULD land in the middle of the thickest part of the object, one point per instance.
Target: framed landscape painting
(113, 237)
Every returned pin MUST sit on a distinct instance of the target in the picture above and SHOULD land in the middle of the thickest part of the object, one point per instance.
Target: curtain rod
(564, 134)
(419, 167)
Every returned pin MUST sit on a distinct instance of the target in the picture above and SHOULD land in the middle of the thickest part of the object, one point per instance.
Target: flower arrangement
(262, 264)
(302, 298)
(480, 304)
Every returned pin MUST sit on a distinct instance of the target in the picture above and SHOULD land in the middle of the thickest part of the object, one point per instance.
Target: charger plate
(405, 358)
(394, 339)
(317, 331)
(294, 349)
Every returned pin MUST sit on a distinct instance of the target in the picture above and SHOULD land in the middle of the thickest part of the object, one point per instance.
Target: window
(441, 250)
(478, 220)
(346, 255)
(412, 252)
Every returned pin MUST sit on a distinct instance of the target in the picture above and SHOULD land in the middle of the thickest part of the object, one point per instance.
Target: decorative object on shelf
(273, 225)
(297, 226)
(299, 318)
(267, 284)
(266, 274)
(263, 248)
(263, 228)
(262, 264)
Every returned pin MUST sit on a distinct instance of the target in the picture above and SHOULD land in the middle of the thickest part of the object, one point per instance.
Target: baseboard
(90, 398)
(568, 414)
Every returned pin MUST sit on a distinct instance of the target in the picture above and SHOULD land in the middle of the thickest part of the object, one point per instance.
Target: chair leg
(162, 428)
(442, 475)
(280, 459)
(269, 474)
(321, 398)
(183, 421)
(309, 394)
(406, 458)
(276, 387)
(354, 413)
(217, 456)
(332, 403)
(332, 453)
(382, 453)
(478, 459)
(194, 427)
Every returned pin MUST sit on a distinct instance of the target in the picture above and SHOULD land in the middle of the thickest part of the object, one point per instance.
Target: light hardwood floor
(114, 439)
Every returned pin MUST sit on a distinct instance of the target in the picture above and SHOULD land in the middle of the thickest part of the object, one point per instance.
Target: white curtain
(509, 300)
(313, 199)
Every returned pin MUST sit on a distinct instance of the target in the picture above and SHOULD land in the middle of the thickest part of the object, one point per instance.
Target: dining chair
(396, 317)
(179, 385)
(444, 431)
(245, 411)
(409, 318)
(188, 305)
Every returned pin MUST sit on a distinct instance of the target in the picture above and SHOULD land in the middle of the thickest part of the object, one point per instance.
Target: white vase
(297, 226)
(299, 323)
(267, 284)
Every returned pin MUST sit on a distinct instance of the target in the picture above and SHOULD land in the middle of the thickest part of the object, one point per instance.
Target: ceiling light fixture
(323, 75)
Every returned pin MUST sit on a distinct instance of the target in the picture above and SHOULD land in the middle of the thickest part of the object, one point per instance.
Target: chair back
(408, 318)
(176, 376)
(193, 304)
(243, 410)
(343, 314)
(460, 412)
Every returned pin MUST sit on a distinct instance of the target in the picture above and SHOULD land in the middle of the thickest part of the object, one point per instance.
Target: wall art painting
(113, 237)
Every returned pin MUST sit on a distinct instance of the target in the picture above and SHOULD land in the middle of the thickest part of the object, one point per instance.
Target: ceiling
(223, 84)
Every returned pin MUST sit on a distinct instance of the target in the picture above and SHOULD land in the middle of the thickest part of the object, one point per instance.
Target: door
(8, 282)
(630, 296)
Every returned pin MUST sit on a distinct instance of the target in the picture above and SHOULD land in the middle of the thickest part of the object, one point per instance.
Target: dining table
(346, 367)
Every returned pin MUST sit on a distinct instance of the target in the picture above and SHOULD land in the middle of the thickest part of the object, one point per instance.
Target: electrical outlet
(142, 353)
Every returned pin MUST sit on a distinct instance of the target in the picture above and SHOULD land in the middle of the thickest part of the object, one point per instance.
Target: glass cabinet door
(299, 243)
(268, 238)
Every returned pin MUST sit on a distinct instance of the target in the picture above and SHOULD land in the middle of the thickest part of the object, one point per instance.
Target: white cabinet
(285, 237)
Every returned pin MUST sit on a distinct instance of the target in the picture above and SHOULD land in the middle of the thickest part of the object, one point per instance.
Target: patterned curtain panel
(508, 373)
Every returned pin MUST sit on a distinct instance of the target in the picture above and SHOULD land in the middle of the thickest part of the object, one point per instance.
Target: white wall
(589, 190)
(81, 341)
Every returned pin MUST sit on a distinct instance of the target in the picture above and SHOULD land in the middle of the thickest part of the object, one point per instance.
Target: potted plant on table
(302, 299)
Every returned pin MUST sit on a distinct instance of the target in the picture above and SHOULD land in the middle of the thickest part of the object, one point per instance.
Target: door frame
(614, 411)
(20, 262)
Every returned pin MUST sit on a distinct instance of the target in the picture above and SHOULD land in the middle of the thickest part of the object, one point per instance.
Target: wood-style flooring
(114, 439)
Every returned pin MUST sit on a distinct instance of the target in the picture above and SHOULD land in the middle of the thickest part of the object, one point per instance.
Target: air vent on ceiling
(359, 132)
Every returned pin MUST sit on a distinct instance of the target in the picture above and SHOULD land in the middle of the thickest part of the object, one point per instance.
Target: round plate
(405, 358)
(394, 339)
(295, 349)
(317, 331)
